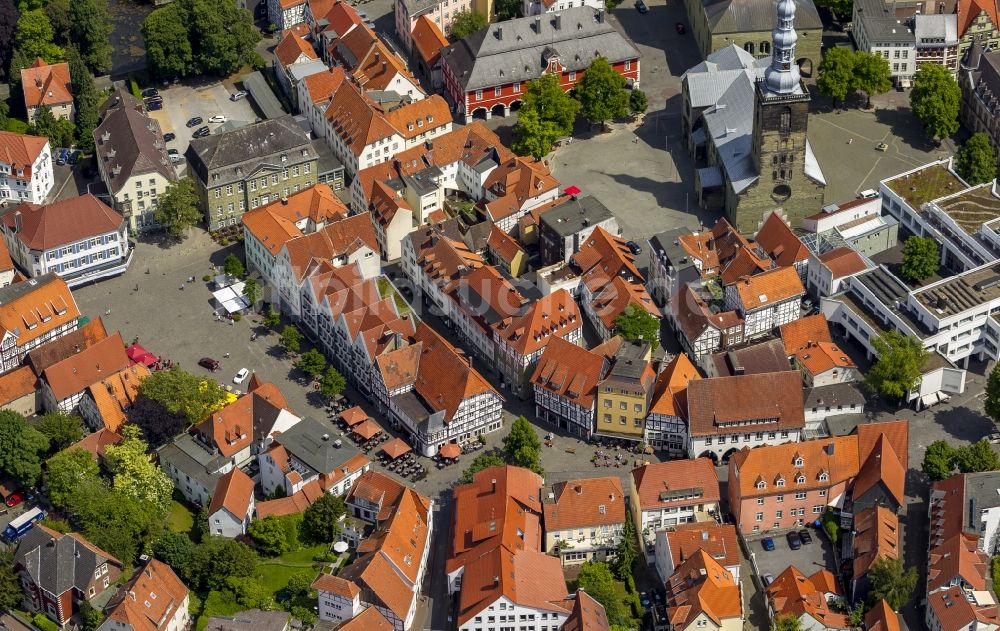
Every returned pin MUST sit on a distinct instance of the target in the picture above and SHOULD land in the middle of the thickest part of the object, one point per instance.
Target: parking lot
(808, 559)
(183, 102)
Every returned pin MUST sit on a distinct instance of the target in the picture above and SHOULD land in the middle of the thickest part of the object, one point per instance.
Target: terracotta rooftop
(20, 151)
(295, 503)
(44, 227)
(368, 620)
(881, 617)
(150, 600)
(825, 463)
(356, 118)
(46, 84)
(234, 492)
(116, 393)
(843, 261)
(570, 371)
(794, 594)
(778, 239)
(336, 239)
(670, 393)
(428, 39)
(96, 442)
(336, 585)
(378, 489)
(799, 333)
(718, 540)
(587, 614)
(285, 219)
(676, 483)
(35, 307)
(769, 288)
(75, 373)
(292, 47)
(700, 586)
(876, 537)
(717, 405)
(819, 357)
(17, 383)
(415, 118)
(551, 316)
(955, 611)
(323, 85)
(584, 502)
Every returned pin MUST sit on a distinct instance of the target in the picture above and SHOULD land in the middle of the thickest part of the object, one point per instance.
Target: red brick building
(486, 73)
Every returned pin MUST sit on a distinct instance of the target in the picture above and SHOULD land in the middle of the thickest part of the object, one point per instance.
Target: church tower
(781, 119)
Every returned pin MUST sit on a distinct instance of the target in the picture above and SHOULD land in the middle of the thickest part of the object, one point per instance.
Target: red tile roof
(876, 537)
(502, 245)
(413, 119)
(230, 430)
(357, 119)
(792, 593)
(587, 614)
(657, 484)
(718, 540)
(701, 586)
(769, 288)
(670, 393)
(715, 403)
(881, 617)
(969, 10)
(75, 373)
(378, 489)
(20, 151)
(585, 502)
(278, 222)
(233, 492)
(151, 599)
(323, 85)
(95, 443)
(780, 242)
(17, 383)
(551, 316)
(955, 612)
(332, 241)
(799, 333)
(771, 463)
(63, 222)
(819, 357)
(291, 47)
(368, 620)
(296, 503)
(570, 371)
(428, 39)
(882, 465)
(338, 586)
(45, 84)
(843, 261)
(749, 260)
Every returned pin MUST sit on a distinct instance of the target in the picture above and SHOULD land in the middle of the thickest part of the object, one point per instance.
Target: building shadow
(964, 424)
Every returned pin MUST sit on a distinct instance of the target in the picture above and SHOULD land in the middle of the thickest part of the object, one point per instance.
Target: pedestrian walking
(108, 312)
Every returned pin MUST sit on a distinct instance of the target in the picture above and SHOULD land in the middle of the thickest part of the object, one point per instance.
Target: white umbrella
(340, 546)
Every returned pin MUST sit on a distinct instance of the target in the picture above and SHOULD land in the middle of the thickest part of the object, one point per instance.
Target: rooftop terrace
(927, 184)
(972, 208)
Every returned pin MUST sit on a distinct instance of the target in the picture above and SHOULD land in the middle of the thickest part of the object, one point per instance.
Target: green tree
(300, 585)
(786, 622)
(216, 559)
(180, 392)
(268, 536)
(222, 35)
(935, 100)
(637, 101)
(158, 424)
(637, 324)
(58, 12)
(168, 48)
(596, 579)
(992, 402)
(482, 461)
(978, 456)
(248, 590)
(522, 447)
(332, 383)
(291, 338)
(8, 29)
(59, 131)
(939, 460)
(134, 473)
(66, 472)
(10, 586)
(626, 553)
(836, 73)
(272, 318)
(547, 113)
(304, 615)
(34, 38)
(4, 113)
(312, 362)
(174, 549)
(62, 430)
(976, 161)
(891, 582)
(506, 9)
(92, 32)
(114, 521)
(899, 365)
(871, 74)
(321, 521)
(86, 100)
(177, 209)
(921, 258)
(90, 618)
(602, 93)
(21, 449)
(233, 267)
(252, 292)
(465, 23)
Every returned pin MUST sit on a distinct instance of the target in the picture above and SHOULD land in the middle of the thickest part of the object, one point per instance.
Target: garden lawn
(180, 519)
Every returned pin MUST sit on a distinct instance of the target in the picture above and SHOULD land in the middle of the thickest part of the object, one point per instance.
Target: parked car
(167, 137)
(201, 132)
(174, 155)
(193, 122)
(805, 537)
(63, 157)
(680, 28)
(155, 105)
(241, 375)
(644, 599)
(768, 579)
(768, 544)
(994, 437)
(218, 118)
(881, 147)
(74, 156)
(794, 542)
(236, 96)
(15, 498)
(148, 92)
(209, 363)
(633, 247)
(641, 7)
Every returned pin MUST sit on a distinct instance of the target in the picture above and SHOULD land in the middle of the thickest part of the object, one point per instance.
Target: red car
(14, 499)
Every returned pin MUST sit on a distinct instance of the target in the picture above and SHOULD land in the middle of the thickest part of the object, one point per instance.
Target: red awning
(139, 355)
(395, 448)
(451, 450)
(367, 430)
(353, 416)
(572, 190)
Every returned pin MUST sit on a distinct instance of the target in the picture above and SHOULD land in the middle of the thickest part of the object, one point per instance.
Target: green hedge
(44, 623)
(134, 87)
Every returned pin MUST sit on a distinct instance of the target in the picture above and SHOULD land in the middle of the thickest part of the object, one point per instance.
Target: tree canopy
(939, 460)
(506, 9)
(991, 404)
(786, 622)
(134, 473)
(871, 74)
(61, 429)
(978, 456)
(921, 258)
(233, 266)
(8, 28)
(899, 365)
(935, 100)
(637, 324)
(268, 536)
(312, 362)
(21, 449)
(177, 209)
(34, 38)
(158, 424)
(59, 131)
(483, 460)
(216, 559)
(252, 292)
(10, 586)
(547, 113)
(180, 392)
(596, 579)
(67, 471)
(91, 31)
(291, 338)
(200, 37)
(602, 93)
(627, 551)
(85, 98)
(332, 382)
(891, 582)
(836, 73)
(321, 521)
(637, 101)
(976, 161)
(522, 447)
(465, 23)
